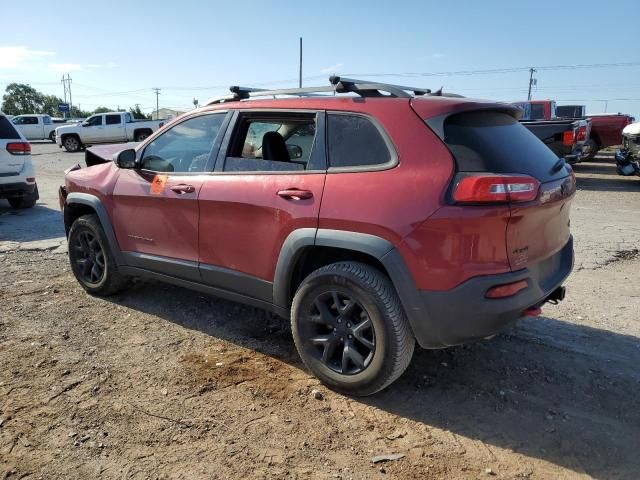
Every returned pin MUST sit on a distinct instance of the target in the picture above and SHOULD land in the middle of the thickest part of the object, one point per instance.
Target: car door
(28, 126)
(268, 182)
(92, 129)
(114, 128)
(155, 207)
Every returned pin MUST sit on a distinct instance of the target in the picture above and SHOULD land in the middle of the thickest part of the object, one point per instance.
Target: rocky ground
(161, 382)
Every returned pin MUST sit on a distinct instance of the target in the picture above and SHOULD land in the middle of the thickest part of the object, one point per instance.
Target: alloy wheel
(340, 332)
(89, 258)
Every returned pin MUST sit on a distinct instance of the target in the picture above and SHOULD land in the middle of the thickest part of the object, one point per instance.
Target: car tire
(141, 136)
(350, 329)
(91, 258)
(26, 201)
(592, 147)
(52, 136)
(71, 143)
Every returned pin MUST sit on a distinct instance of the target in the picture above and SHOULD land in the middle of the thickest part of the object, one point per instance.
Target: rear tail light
(495, 189)
(568, 137)
(508, 290)
(582, 134)
(19, 148)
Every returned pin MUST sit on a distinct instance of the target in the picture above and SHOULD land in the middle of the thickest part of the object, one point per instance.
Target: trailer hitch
(556, 296)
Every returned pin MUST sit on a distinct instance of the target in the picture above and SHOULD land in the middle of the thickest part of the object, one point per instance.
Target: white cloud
(64, 67)
(331, 68)
(437, 55)
(20, 58)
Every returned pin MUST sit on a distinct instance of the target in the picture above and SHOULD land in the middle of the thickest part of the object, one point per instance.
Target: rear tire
(52, 136)
(592, 146)
(91, 258)
(141, 136)
(350, 328)
(71, 143)
(26, 201)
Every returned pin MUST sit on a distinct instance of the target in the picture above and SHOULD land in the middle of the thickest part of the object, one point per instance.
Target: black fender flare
(95, 203)
(372, 245)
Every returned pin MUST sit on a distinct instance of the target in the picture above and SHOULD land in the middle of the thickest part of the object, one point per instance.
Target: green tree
(102, 110)
(50, 105)
(138, 114)
(21, 98)
(77, 113)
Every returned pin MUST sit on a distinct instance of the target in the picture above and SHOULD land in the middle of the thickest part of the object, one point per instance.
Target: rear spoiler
(105, 153)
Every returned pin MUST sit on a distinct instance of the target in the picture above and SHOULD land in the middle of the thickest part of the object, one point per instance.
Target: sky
(116, 52)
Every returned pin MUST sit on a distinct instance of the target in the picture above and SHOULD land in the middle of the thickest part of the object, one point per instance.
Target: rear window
(496, 142)
(7, 131)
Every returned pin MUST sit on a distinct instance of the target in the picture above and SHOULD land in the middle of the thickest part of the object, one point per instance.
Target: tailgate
(538, 229)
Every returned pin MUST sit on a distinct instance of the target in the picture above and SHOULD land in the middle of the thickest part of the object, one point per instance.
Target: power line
(157, 90)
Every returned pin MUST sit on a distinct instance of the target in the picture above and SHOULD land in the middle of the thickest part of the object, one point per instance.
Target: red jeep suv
(372, 215)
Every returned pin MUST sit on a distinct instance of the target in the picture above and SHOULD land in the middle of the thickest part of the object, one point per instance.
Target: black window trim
(208, 168)
(393, 161)
(318, 152)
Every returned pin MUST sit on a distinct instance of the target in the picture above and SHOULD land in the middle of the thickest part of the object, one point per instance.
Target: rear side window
(112, 119)
(496, 142)
(7, 132)
(354, 141)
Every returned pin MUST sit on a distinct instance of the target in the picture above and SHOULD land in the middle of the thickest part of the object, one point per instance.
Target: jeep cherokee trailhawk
(372, 215)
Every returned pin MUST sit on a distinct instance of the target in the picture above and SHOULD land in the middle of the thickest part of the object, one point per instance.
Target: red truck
(372, 220)
(606, 128)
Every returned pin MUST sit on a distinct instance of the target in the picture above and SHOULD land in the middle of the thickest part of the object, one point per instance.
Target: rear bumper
(464, 313)
(17, 189)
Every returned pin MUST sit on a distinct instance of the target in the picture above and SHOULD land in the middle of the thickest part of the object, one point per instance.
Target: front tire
(71, 143)
(350, 328)
(91, 258)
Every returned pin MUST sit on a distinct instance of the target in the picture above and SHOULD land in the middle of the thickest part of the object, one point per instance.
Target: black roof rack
(364, 88)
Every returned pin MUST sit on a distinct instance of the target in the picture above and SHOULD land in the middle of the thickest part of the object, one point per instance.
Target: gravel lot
(161, 382)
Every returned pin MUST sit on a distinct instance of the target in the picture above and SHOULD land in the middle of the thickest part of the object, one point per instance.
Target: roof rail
(364, 88)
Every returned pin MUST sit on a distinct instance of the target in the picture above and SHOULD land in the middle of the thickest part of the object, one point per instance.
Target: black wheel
(52, 136)
(141, 136)
(71, 143)
(591, 148)
(91, 259)
(26, 201)
(350, 329)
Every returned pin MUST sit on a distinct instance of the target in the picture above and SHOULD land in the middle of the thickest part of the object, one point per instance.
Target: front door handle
(295, 194)
(183, 188)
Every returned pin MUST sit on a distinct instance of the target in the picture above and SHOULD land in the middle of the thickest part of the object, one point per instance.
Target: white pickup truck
(36, 127)
(110, 127)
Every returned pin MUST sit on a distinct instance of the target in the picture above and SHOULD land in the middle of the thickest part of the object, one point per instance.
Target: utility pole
(66, 83)
(532, 81)
(157, 90)
(300, 70)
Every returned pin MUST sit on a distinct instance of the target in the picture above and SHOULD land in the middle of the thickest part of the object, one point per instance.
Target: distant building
(166, 113)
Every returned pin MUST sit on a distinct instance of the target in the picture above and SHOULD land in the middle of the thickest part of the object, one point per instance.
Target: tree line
(20, 98)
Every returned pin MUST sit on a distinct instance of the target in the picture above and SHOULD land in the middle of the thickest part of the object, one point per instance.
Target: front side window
(94, 121)
(185, 147)
(112, 119)
(272, 143)
(354, 141)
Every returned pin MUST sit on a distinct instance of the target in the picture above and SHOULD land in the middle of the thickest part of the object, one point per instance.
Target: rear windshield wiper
(557, 166)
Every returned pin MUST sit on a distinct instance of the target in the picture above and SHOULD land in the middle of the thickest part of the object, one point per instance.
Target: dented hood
(105, 153)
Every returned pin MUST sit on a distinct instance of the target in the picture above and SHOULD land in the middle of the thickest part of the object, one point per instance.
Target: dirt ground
(161, 382)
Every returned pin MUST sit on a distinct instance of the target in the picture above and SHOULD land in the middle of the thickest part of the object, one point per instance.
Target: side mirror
(126, 159)
(294, 151)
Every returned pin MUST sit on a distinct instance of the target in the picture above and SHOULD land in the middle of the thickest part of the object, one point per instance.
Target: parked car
(370, 222)
(628, 157)
(111, 127)
(565, 138)
(606, 128)
(36, 127)
(17, 176)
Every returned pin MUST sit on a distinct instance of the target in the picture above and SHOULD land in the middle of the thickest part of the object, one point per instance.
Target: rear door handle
(183, 188)
(295, 194)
